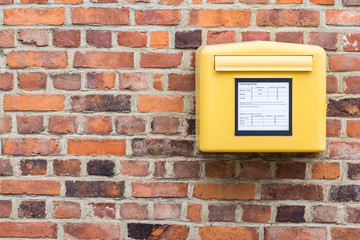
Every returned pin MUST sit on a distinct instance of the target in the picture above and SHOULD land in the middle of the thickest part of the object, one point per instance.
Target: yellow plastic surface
(215, 96)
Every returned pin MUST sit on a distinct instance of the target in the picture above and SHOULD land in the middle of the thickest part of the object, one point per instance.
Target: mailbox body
(217, 67)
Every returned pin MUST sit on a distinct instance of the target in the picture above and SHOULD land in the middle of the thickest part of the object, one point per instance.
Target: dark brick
(32, 209)
(69, 167)
(191, 39)
(142, 231)
(66, 38)
(67, 81)
(187, 169)
(33, 167)
(291, 170)
(165, 125)
(351, 3)
(181, 148)
(222, 213)
(345, 193)
(191, 126)
(344, 107)
(99, 38)
(104, 189)
(101, 103)
(5, 167)
(292, 192)
(294, 214)
(354, 171)
(101, 167)
(219, 169)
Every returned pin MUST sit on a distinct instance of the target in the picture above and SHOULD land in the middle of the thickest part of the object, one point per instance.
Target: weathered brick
(164, 124)
(33, 166)
(32, 209)
(6, 38)
(133, 211)
(34, 102)
(156, 231)
(2, 2)
(289, 37)
(100, 16)
(132, 39)
(133, 81)
(30, 187)
(35, 37)
(294, 214)
(225, 191)
(342, 17)
(191, 126)
(32, 81)
(159, 39)
(333, 128)
(94, 189)
(153, 103)
(288, 17)
(340, 63)
(157, 17)
(5, 167)
(353, 214)
(345, 233)
(167, 211)
(255, 36)
(67, 81)
(64, 209)
(6, 81)
(130, 125)
(159, 189)
(346, 150)
(220, 1)
(115, 60)
(344, 107)
(256, 213)
(103, 210)
(222, 213)
(66, 38)
(157, 81)
(220, 18)
(186, 169)
(115, 147)
(97, 125)
(181, 82)
(294, 170)
(219, 169)
(194, 212)
(69, 167)
(353, 171)
(5, 124)
(28, 229)
(42, 59)
(62, 124)
(325, 170)
(352, 84)
(289, 1)
(100, 103)
(218, 37)
(99, 39)
(135, 168)
(95, 230)
(327, 41)
(5, 208)
(34, 16)
(100, 167)
(308, 233)
(255, 170)
(345, 193)
(331, 84)
(351, 3)
(160, 60)
(30, 146)
(159, 168)
(188, 39)
(100, 80)
(227, 232)
(274, 191)
(33, 1)
(324, 214)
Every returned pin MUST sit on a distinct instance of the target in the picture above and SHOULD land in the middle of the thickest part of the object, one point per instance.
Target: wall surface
(97, 124)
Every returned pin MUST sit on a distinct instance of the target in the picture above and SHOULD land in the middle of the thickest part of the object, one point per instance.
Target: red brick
(352, 84)
(313, 233)
(32, 209)
(43, 59)
(255, 36)
(6, 38)
(159, 189)
(30, 146)
(289, 37)
(5, 208)
(290, 1)
(165, 125)
(255, 170)
(99, 38)
(171, 2)
(295, 170)
(353, 214)
(323, 170)
(134, 168)
(324, 214)
(34, 16)
(331, 84)
(351, 42)
(181, 82)
(194, 212)
(28, 229)
(344, 107)
(32, 81)
(153, 103)
(97, 230)
(219, 169)
(157, 17)
(287, 17)
(218, 37)
(114, 147)
(256, 213)
(327, 41)
(63, 209)
(67, 81)
(62, 124)
(113, 60)
(6, 2)
(100, 16)
(346, 150)
(292, 192)
(220, 1)
(33, 1)
(33, 166)
(100, 80)
(133, 81)
(342, 17)
(225, 191)
(333, 128)
(5, 167)
(228, 233)
(186, 169)
(69, 167)
(130, 125)
(157, 231)
(5, 124)
(103, 210)
(66, 38)
(30, 187)
(167, 211)
(254, 1)
(6, 81)
(160, 60)
(97, 125)
(68, 1)
(352, 128)
(222, 212)
(323, 2)
(344, 63)
(159, 39)
(33, 37)
(133, 211)
(345, 233)
(159, 168)
(157, 81)
(220, 18)
(132, 39)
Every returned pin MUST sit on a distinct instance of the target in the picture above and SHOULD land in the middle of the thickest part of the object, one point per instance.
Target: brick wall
(97, 124)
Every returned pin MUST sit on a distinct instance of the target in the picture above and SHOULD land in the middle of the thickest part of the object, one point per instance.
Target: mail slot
(261, 97)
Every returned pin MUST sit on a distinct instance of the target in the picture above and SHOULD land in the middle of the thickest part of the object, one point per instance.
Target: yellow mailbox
(261, 97)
